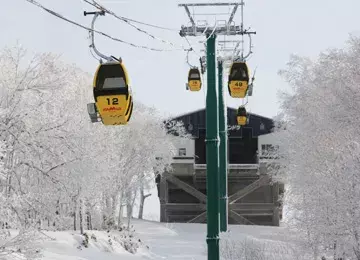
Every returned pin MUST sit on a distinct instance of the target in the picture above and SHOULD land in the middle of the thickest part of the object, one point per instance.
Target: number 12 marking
(115, 101)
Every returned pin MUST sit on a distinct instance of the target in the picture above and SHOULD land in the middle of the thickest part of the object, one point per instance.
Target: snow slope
(173, 241)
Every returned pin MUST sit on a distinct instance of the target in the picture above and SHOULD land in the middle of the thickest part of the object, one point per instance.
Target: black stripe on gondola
(110, 92)
(130, 101)
(131, 109)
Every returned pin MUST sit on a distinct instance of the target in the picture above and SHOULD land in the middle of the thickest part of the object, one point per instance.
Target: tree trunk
(121, 209)
(130, 206)
(142, 202)
(81, 216)
(74, 214)
(107, 219)
(88, 220)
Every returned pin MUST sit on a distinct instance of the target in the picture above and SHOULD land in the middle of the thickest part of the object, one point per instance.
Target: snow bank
(163, 241)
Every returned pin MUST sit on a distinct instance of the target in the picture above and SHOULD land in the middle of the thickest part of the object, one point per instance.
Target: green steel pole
(223, 182)
(212, 152)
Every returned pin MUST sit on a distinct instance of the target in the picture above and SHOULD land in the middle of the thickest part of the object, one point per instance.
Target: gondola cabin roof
(196, 120)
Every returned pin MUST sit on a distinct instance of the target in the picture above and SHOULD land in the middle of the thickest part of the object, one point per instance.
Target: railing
(183, 159)
(245, 166)
(231, 166)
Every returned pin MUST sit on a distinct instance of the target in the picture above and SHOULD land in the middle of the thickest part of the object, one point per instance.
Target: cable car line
(96, 31)
(101, 7)
(135, 21)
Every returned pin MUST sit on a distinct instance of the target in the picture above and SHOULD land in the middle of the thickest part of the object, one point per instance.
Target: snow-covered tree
(320, 151)
(28, 84)
(57, 169)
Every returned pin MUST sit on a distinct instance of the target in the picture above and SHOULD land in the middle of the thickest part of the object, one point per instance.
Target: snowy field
(172, 241)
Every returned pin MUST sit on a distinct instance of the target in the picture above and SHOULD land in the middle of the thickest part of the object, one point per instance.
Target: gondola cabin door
(111, 92)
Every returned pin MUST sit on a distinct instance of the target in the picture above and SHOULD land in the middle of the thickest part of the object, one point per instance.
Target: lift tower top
(227, 28)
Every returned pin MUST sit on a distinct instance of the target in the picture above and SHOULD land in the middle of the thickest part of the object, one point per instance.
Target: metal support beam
(219, 30)
(185, 206)
(164, 198)
(212, 152)
(238, 218)
(211, 4)
(275, 193)
(186, 187)
(189, 15)
(249, 207)
(233, 14)
(253, 207)
(223, 172)
(263, 180)
(199, 219)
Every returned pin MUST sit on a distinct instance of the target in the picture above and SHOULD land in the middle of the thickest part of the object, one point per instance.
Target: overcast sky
(158, 79)
(283, 27)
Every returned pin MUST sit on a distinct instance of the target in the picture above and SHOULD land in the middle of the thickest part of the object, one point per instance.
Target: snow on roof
(231, 108)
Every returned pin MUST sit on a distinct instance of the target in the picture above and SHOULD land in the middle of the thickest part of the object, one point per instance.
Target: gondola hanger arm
(92, 45)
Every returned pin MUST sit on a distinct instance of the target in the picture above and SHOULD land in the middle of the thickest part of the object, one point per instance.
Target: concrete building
(253, 198)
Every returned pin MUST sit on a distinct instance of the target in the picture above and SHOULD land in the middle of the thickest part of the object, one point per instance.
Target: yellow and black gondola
(241, 116)
(238, 83)
(194, 79)
(112, 93)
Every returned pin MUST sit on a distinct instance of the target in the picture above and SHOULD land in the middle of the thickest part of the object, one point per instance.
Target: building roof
(229, 108)
(195, 121)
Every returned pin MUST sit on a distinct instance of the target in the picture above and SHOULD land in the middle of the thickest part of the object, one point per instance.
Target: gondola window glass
(234, 73)
(194, 76)
(111, 83)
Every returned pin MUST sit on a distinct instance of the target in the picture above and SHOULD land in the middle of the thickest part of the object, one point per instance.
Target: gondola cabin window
(194, 76)
(238, 74)
(111, 77)
(114, 83)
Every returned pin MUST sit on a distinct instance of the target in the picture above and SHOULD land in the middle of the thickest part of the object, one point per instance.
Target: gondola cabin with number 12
(112, 94)
(194, 79)
(238, 80)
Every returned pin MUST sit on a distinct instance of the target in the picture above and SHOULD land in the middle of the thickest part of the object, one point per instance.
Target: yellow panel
(238, 88)
(194, 85)
(241, 120)
(112, 105)
(114, 120)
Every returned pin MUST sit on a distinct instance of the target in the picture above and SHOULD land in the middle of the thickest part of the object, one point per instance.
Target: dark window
(200, 148)
(111, 83)
(243, 150)
(110, 77)
(182, 152)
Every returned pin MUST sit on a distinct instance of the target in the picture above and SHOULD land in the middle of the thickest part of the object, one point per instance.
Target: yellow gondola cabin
(194, 79)
(238, 80)
(242, 116)
(112, 94)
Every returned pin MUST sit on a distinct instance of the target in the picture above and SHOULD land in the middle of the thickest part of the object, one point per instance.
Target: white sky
(158, 79)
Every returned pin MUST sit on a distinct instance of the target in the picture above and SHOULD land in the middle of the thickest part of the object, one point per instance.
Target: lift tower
(216, 167)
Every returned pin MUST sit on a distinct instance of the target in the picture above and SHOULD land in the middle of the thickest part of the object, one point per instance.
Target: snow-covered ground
(173, 241)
